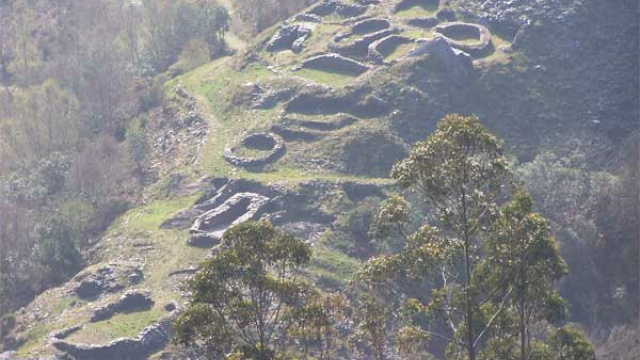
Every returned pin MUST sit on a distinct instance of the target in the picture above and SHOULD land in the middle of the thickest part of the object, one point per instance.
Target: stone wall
(335, 63)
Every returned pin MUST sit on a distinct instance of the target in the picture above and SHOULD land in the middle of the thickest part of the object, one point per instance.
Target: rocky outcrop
(457, 33)
(109, 278)
(150, 340)
(209, 227)
(457, 63)
(131, 301)
(331, 7)
(290, 37)
(335, 63)
(271, 144)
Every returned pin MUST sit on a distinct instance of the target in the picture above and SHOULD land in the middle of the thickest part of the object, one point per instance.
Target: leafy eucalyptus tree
(241, 295)
(473, 260)
(524, 256)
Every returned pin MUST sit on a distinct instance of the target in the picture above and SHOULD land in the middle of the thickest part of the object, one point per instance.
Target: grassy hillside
(394, 103)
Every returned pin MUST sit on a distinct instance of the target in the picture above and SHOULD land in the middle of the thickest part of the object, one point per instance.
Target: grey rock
(290, 37)
(458, 63)
(239, 208)
(308, 18)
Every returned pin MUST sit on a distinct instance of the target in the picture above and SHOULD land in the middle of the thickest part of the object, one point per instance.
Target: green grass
(120, 326)
(418, 11)
(35, 338)
(418, 33)
(400, 51)
(333, 264)
(150, 217)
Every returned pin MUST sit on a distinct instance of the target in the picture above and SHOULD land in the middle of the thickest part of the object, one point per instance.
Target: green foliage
(244, 291)
(57, 248)
(173, 24)
(570, 343)
(46, 121)
(490, 269)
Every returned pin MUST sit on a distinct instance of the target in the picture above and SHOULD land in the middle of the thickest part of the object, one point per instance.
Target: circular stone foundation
(270, 144)
(474, 39)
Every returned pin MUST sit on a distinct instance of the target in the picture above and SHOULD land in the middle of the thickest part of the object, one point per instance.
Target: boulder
(458, 63)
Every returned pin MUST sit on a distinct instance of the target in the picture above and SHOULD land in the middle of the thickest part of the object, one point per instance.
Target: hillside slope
(303, 126)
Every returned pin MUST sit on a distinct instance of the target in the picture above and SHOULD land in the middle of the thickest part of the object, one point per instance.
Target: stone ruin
(292, 129)
(231, 202)
(359, 47)
(208, 228)
(357, 102)
(339, 121)
(424, 22)
(455, 33)
(290, 37)
(335, 63)
(131, 301)
(384, 47)
(363, 27)
(271, 144)
(150, 340)
(296, 133)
